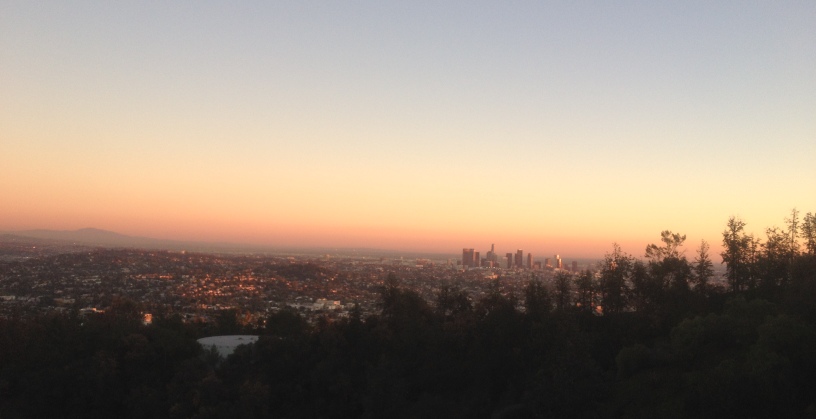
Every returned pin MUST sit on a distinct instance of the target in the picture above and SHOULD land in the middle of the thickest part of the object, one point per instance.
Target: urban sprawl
(37, 277)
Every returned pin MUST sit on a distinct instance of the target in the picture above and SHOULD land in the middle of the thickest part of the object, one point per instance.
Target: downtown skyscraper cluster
(472, 259)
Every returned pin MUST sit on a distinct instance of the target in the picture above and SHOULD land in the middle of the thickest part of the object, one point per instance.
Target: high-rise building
(477, 261)
(519, 258)
(509, 260)
(547, 263)
(467, 258)
(491, 254)
(558, 263)
(529, 261)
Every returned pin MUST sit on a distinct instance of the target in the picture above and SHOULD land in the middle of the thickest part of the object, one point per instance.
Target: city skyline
(517, 261)
(557, 128)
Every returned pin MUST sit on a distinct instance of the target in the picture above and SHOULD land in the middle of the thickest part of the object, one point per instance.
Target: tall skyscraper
(529, 261)
(477, 261)
(509, 260)
(491, 254)
(519, 258)
(467, 258)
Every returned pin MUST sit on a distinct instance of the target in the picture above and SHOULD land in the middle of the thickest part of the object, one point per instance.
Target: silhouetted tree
(667, 265)
(563, 290)
(287, 323)
(495, 301)
(648, 292)
(616, 269)
(670, 249)
(792, 234)
(736, 254)
(452, 301)
(537, 299)
(773, 261)
(703, 269)
(403, 310)
(801, 292)
(226, 322)
(586, 290)
(808, 233)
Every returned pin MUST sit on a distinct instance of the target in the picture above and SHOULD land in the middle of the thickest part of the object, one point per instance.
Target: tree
(648, 291)
(563, 290)
(586, 290)
(537, 299)
(808, 233)
(452, 301)
(403, 310)
(226, 322)
(754, 245)
(773, 260)
(670, 249)
(667, 266)
(389, 292)
(616, 269)
(736, 249)
(287, 323)
(703, 269)
(792, 234)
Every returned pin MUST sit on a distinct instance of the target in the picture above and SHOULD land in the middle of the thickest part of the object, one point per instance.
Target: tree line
(651, 337)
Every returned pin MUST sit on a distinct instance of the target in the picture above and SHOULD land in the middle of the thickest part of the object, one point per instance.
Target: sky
(554, 127)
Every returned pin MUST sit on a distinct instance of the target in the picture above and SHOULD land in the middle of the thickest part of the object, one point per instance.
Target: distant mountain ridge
(97, 237)
(105, 238)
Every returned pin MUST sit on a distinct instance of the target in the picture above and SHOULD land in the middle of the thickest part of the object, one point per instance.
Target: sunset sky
(555, 127)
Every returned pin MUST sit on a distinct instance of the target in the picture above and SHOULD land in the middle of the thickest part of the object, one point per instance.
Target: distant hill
(88, 236)
(94, 237)
(97, 237)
